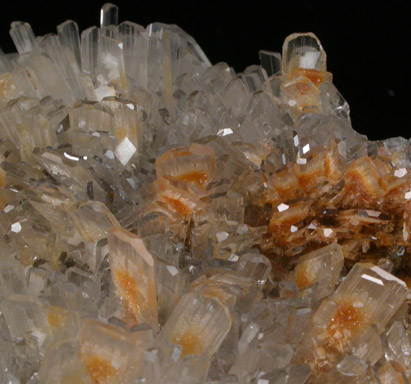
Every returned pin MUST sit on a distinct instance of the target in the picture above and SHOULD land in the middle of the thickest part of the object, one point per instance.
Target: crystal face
(164, 220)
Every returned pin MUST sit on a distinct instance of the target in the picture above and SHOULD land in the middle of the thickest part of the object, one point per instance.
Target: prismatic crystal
(168, 221)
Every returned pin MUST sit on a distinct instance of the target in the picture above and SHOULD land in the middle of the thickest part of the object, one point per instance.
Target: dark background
(368, 43)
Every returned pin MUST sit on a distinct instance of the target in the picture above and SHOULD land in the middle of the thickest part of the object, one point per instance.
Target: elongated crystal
(11, 277)
(111, 70)
(321, 267)
(132, 271)
(25, 316)
(392, 373)
(69, 37)
(198, 324)
(164, 220)
(270, 61)
(303, 51)
(108, 15)
(368, 296)
(90, 38)
(110, 354)
(23, 37)
(194, 165)
(65, 355)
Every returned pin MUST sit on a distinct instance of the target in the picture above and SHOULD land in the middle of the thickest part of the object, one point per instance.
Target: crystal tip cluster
(164, 220)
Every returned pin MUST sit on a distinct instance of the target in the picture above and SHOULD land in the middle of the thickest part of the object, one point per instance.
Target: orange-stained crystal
(56, 317)
(302, 277)
(100, 370)
(198, 178)
(190, 341)
(316, 77)
(363, 184)
(128, 290)
(177, 205)
(345, 325)
(281, 222)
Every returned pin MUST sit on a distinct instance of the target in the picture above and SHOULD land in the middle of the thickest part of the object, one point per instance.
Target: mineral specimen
(164, 220)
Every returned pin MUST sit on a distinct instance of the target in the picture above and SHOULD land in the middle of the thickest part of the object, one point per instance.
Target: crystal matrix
(164, 220)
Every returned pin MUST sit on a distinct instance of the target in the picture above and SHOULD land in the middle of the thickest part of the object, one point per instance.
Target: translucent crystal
(90, 38)
(64, 355)
(25, 317)
(132, 271)
(198, 324)
(399, 346)
(164, 220)
(23, 37)
(108, 15)
(12, 277)
(368, 296)
(303, 51)
(110, 354)
(69, 37)
(270, 61)
(255, 266)
(194, 165)
(8, 88)
(171, 283)
(392, 372)
(321, 267)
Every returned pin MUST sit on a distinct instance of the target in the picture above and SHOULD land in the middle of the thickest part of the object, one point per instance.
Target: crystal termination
(168, 221)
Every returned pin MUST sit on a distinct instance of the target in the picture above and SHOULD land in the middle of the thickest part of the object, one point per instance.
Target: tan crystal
(392, 373)
(193, 165)
(198, 324)
(109, 354)
(303, 51)
(368, 296)
(132, 271)
(8, 88)
(322, 267)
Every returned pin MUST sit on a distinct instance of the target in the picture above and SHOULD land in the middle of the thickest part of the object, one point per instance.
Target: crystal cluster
(168, 221)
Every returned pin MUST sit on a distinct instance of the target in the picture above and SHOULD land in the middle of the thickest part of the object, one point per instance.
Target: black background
(368, 43)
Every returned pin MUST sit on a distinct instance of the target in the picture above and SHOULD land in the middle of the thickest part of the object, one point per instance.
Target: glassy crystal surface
(109, 354)
(198, 324)
(132, 270)
(368, 296)
(167, 220)
(320, 268)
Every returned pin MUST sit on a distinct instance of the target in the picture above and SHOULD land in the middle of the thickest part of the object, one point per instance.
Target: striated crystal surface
(166, 220)
(132, 272)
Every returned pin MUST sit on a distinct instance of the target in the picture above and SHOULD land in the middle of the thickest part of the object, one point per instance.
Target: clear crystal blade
(23, 37)
(270, 61)
(108, 15)
(110, 353)
(69, 37)
(90, 41)
(132, 270)
(198, 324)
(111, 69)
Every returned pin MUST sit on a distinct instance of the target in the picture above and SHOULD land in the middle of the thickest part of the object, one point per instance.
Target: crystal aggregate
(164, 220)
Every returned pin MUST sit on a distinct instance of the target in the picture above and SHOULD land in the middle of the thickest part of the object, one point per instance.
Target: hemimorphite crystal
(164, 220)
(132, 271)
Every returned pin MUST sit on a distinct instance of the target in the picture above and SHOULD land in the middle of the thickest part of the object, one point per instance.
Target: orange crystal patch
(281, 222)
(345, 324)
(129, 290)
(302, 276)
(316, 77)
(191, 343)
(100, 370)
(56, 318)
(198, 178)
(177, 205)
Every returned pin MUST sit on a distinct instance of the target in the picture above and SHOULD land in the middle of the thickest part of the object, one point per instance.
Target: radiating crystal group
(168, 221)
